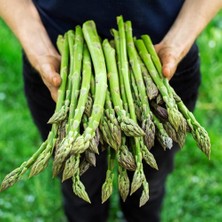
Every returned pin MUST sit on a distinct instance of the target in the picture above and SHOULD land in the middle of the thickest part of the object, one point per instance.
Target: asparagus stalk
(70, 168)
(76, 51)
(139, 175)
(175, 117)
(199, 134)
(123, 183)
(42, 160)
(76, 75)
(156, 61)
(161, 134)
(147, 155)
(14, 176)
(107, 133)
(62, 104)
(62, 122)
(151, 89)
(90, 157)
(145, 194)
(79, 188)
(93, 42)
(127, 125)
(136, 97)
(125, 158)
(66, 146)
(147, 123)
(124, 71)
(107, 187)
(112, 120)
(149, 46)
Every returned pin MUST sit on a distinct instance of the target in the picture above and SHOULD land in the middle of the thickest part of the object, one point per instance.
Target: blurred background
(194, 190)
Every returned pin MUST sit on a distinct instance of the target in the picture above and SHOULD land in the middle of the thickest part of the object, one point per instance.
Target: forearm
(23, 19)
(192, 19)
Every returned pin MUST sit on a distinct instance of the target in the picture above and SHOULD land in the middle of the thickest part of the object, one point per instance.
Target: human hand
(170, 56)
(34, 39)
(48, 68)
(180, 37)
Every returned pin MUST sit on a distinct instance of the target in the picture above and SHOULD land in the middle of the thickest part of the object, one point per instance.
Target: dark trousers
(185, 82)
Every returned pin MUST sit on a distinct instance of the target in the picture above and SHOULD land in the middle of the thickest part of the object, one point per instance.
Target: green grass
(38, 199)
(194, 191)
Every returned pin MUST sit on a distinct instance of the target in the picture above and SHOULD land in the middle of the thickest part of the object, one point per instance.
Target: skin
(192, 19)
(45, 59)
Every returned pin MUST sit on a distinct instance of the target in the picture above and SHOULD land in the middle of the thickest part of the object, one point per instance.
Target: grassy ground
(194, 191)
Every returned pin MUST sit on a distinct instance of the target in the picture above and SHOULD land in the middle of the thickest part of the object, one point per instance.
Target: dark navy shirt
(153, 17)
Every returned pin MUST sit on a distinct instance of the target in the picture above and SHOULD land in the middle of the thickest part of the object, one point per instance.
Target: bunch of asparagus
(113, 97)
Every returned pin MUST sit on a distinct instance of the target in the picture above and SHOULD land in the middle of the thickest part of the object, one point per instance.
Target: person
(172, 25)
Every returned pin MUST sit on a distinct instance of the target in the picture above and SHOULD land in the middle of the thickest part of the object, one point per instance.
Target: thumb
(168, 59)
(51, 78)
(169, 66)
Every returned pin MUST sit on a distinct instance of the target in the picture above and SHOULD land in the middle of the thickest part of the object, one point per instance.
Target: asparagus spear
(79, 188)
(94, 143)
(107, 133)
(42, 160)
(128, 126)
(175, 117)
(107, 187)
(70, 168)
(125, 158)
(199, 134)
(136, 98)
(147, 155)
(90, 157)
(159, 111)
(151, 89)
(145, 194)
(66, 146)
(76, 51)
(121, 81)
(62, 104)
(156, 61)
(123, 183)
(147, 123)
(139, 175)
(14, 176)
(161, 134)
(93, 42)
(76, 75)
(112, 120)
(62, 122)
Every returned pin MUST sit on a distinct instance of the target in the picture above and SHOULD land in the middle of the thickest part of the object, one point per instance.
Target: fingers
(169, 58)
(48, 69)
(51, 79)
(169, 65)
